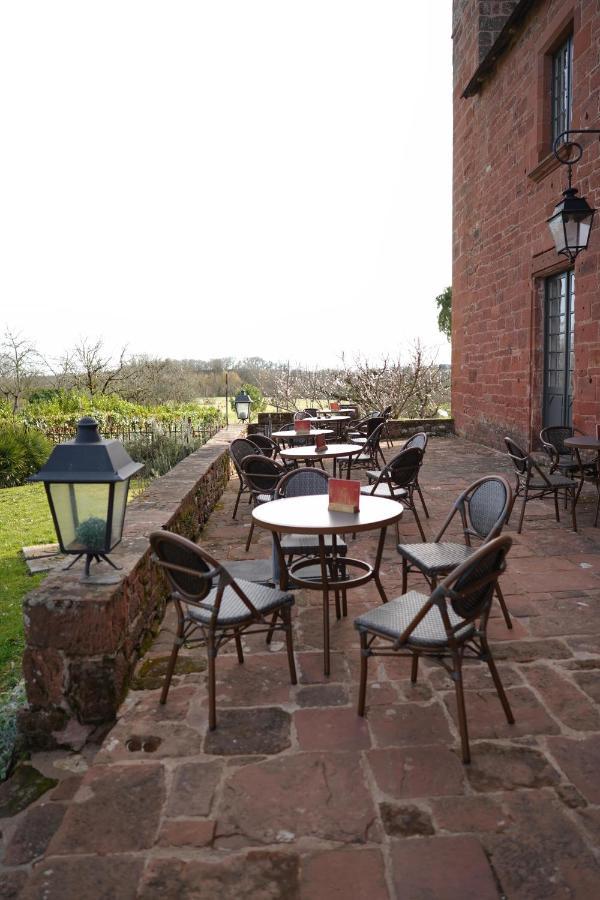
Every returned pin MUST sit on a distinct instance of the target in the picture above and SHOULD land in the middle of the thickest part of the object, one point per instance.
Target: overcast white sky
(226, 178)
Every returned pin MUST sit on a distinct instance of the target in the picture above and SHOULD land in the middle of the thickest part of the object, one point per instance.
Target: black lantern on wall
(571, 222)
(87, 481)
(242, 406)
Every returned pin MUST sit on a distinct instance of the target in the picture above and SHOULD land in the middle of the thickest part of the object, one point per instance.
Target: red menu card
(302, 425)
(598, 431)
(320, 443)
(334, 406)
(344, 495)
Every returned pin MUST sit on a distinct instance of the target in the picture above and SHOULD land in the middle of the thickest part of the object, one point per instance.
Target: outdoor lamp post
(86, 481)
(571, 222)
(242, 406)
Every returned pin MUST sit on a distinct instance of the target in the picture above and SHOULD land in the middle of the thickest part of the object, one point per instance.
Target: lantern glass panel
(243, 408)
(81, 512)
(557, 231)
(119, 504)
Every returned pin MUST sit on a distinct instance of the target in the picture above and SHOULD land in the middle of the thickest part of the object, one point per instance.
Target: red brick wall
(505, 187)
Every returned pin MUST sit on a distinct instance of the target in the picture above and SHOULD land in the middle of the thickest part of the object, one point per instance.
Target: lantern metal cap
(88, 458)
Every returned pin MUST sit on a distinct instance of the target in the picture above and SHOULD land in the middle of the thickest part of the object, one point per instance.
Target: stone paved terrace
(294, 796)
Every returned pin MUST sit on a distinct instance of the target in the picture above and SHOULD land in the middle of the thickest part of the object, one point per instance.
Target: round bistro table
(587, 442)
(337, 420)
(310, 515)
(310, 455)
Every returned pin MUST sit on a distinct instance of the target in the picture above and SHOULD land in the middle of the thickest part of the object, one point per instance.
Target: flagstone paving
(295, 796)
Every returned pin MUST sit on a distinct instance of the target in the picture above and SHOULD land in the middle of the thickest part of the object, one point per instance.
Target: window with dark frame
(562, 87)
(559, 348)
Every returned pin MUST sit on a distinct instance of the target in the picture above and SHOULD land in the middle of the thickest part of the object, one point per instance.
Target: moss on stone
(151, 674)
(24, 786)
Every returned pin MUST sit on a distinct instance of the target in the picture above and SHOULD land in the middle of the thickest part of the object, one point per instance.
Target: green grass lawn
(24, 519)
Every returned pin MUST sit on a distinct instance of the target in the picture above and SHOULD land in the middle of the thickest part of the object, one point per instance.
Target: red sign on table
(302, 425)
(344, 495)
(334, 406)
(320, 443)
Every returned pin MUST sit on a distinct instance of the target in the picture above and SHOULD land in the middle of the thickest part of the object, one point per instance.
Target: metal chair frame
(371, 452)
(236, 448)
(471, 530)
(548, 485)
(262, 476)
(468, 592)
(205, 570)
(401, 477)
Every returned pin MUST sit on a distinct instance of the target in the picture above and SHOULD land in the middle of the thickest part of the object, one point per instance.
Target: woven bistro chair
(386, 415)
(564, 459)
(305, 482)
(270, 448)
(213, 608)
(448, 625)
(371, 456)
(532, 483)
(420, 439)
(261, 475)
(398, 481)
(484, 508)
(238, 450)
(365, 428)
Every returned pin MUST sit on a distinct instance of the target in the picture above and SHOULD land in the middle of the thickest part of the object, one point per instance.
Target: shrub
(10, 703)
(22, 452)
(160, 454)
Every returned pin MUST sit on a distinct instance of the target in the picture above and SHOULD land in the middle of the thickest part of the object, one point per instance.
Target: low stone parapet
(397, 428)
(82, 640)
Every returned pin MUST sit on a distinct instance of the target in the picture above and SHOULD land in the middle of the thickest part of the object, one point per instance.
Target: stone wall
(397, 428)
(506, 183)
(83, 640)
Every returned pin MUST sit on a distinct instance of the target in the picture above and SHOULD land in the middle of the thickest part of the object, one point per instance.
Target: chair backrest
(419, 439)
(239, 449)
(300, 415)
(373, 438)
(470, 587)
(387, 412)
(374, 423)
(288, 426)
(311, 411)
(303, 482)
(266, 445)
(192, 573)
(518, 456)
(403, 469)
(555, 435)
(261, 473)
(485, 506)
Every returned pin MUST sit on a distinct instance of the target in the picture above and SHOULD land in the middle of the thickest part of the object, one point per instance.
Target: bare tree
(20, 365)
(92, 369)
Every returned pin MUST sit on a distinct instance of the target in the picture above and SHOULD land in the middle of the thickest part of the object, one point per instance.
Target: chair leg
(417, 520)
(272, 627)
(460, 705)
(212, 688)
(237, 501)
(423, 504)
(573, 509)
(344, 602)
(498, 684)
(522, 512)
(286, 615)
(250, 533)
(504, 607)
(556, 512)
(338, 608)
(404, 574)
(414, 670)
(238, 647)
(171, 667)
(364, 661)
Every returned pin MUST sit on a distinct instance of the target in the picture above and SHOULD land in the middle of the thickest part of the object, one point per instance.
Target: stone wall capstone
(83, 640)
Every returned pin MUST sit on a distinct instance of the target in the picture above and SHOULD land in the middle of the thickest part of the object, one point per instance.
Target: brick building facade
(526, 342)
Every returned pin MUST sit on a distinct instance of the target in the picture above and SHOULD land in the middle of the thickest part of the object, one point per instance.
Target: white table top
(292, 434)
(327, 418)
(311, 452)
(310, 515)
